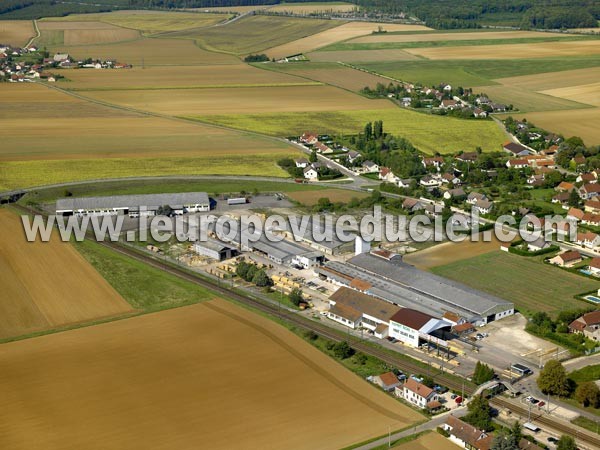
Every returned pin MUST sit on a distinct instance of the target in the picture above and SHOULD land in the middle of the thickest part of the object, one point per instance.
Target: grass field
(47, 285)
(427, 132)
(213, 186)
(580, 122)
(333, 35)
(428, 441)
(186, 77)
(527, 100)
(310, 198)
(82, 33)
(527, 282)
(243, 100)
(185, 388)
(150, 22)
(253, 30)
(445, 36)
(145, 288)
(149, 52)
(366, 56)
(16, 32)
(508, 51)
(16, 174)
(333, 74)
(589, 373)
(450, 252)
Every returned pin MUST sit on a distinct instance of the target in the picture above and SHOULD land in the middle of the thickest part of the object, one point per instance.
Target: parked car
(458, 400)
(453, 396)
(552, 439)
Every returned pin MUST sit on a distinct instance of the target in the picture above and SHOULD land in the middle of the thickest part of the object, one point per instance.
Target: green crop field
(255, 33)
(16, 174)
(158, 186)
(341, 46)
(427, 132)
(528, 282)
(476, 73)
(145, 288)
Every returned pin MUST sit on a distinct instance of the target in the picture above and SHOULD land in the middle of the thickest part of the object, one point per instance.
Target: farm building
(215, 249)
(406, 286)
(352, 308)
(516, 149)
(387, 381)
(133, 205)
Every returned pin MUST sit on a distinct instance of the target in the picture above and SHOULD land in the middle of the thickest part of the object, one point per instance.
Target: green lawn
(476, 73)
(529, 283)
(427, 132)
(589, 373)
(144, 287)
(212, 186)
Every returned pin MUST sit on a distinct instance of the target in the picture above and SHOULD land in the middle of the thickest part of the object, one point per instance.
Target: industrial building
(133, 205)
(215, 249)
(383, 275)
(310, 236)
(354, 309)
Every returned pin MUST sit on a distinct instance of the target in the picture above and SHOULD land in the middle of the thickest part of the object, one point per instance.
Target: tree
(368, 131)
(588, 394)
(261, 279)
(517, 431)
(296, 296)
(342, 350)
(251, 272)
(504, 440)
(480, 413)
(313, 156)
(553, 379)
(483, 373)
(566, 443)
(428, 381)
(573, 198)
(242, 270)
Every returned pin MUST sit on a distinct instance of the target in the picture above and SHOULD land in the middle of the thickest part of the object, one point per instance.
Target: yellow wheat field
(46, 285)
(211, 375)
(425, 37)
(512, 51)
(333, 35)
(16, 32)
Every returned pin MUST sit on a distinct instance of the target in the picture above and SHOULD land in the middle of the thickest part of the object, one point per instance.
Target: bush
(442, 432)
(296, 296)
(342, 350)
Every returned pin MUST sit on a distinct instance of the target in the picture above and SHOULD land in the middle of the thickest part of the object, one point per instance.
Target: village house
(592, 206)
(412, 205)
(309, 138)
(322, 148)
(516, 149)
(430, 182)
(467, 157)
(387, 381)
(386, 174)
(588, 239)
(521, 163)
(594, 266)
(483, 206)
(590, 190)
(536, 180)
(479, 113)
(466, 435)
(352, 156)
(416, 393)
(562, 199)
(404, 182)
(310, 173)
(587, 178)
(458, 193)
(370, 167)
(538, 244)
(473, 197)
(450, 178)
(449, 104)
(302, 163)
(433, 161)
(591, 219)
(575, 214)
(588, 325)
(564, 186)
(578, 161)
(567, 259)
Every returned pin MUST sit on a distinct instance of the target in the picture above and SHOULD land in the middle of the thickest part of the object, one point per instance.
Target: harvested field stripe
(338, 383)
(204, 86)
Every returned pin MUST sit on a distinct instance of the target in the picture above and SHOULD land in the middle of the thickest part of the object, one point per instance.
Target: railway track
(324, 331)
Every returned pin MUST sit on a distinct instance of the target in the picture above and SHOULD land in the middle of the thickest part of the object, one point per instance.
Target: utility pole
(548, 404)
(389, 437)
(463, 390)
(529, 413)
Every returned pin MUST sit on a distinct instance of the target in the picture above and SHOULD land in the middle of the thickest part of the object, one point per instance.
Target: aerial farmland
(147, 117)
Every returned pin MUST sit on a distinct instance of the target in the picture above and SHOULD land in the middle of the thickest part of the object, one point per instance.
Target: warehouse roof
(367, 304)
(152, 201)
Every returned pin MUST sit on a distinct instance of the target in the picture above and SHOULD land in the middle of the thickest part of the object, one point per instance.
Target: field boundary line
(37, 32)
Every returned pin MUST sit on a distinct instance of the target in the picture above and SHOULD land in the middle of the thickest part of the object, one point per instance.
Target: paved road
(430, 425)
